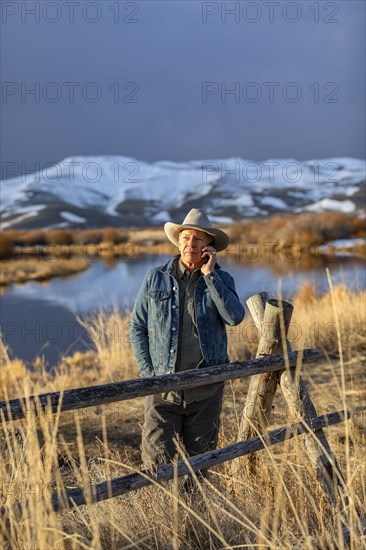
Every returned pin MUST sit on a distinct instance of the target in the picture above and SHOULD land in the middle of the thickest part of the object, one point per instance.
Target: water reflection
(41, 317)
(98, 287)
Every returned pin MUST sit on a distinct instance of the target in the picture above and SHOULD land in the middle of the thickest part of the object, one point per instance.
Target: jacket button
(171, 351)
(212, 278)
(174, 329)
(174, 306)
(174, 288)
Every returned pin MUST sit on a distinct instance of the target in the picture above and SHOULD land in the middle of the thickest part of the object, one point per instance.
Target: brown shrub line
(308, 229)
(305, 229)
(10, 240)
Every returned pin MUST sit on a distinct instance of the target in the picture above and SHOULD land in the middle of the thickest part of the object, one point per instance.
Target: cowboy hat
(197, 219)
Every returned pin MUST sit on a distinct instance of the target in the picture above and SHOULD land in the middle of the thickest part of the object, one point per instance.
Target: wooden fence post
(267, 317)
(262, 388)
(317, 447)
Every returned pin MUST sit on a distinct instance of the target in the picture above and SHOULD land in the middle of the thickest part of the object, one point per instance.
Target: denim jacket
(154, 324)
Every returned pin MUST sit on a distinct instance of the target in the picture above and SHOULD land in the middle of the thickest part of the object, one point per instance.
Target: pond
(39, 319)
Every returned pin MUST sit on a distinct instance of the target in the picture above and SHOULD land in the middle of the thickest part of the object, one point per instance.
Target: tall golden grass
(281, 506)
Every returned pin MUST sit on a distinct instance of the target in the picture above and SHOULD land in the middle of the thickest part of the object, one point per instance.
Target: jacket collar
(168, 267)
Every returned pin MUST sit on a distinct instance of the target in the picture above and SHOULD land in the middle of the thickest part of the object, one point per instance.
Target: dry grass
(281, 506)
(314, 316)
(20, 271)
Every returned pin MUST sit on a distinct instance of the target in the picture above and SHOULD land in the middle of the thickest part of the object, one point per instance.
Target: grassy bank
(281, 506)
(21, 271)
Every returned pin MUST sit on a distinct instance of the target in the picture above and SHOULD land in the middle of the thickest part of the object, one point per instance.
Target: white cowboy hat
(197, 219)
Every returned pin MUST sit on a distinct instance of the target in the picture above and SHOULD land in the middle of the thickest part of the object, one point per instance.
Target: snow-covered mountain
(122, 191)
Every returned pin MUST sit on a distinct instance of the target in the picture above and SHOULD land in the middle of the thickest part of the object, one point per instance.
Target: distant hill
(87, 192)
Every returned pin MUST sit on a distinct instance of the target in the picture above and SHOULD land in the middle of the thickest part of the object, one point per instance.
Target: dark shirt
(189, 349)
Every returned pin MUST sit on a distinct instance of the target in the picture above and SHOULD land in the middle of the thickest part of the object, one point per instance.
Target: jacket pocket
(159, 303)
(157, 295)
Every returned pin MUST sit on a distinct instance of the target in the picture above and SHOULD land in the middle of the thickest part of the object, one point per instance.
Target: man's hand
(208, 267)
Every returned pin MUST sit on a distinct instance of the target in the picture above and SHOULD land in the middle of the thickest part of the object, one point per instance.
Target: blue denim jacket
(155, 319)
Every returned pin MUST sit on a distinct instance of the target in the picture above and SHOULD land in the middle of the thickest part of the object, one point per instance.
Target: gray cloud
(169, 53)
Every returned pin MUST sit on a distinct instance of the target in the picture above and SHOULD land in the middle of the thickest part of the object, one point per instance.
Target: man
(178, 323)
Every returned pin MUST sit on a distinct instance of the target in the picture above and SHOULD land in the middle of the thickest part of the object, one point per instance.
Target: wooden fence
(90, 396)
(120, 486)
(275, 365)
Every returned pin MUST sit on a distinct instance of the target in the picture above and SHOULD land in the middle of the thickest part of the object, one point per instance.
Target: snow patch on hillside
(124, 189)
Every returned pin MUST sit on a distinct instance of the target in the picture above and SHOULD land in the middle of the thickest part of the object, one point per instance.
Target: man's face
(190, 244)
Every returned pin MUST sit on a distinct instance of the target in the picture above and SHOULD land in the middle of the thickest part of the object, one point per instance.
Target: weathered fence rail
(119, 486)
(92, 494)
(90, 396)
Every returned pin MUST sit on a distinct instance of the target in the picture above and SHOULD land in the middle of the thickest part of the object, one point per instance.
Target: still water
(39, 319)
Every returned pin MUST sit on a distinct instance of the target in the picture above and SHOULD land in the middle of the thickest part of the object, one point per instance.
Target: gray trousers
(196, 425)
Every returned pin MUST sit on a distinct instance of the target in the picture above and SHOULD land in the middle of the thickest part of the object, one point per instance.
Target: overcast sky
(151, 80)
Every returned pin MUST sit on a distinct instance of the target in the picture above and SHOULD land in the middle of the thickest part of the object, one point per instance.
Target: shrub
(7, 244)
(114, 235)
(59, 236)
(89, 236)
(32, 238)
(305, 229)
(110, 235)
